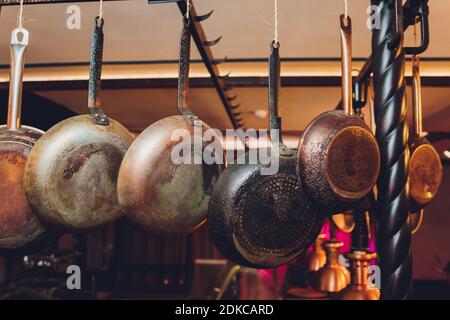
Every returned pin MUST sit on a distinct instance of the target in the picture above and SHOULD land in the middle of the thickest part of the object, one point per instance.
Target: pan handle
(274, 87)
(346, 53)
(183, 69)
(19, 43)
(417, 97)
(95, 74)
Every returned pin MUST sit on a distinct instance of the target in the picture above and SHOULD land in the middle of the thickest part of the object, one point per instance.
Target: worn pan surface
(160, 194)
(20, 228)
(258, 220)
(425, 166)
(71, 174)
(338, 155)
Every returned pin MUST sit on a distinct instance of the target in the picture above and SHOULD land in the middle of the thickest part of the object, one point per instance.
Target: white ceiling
(137, 31)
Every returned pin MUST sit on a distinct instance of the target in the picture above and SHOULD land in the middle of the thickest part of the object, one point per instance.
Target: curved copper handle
(415, 220)
(19, 43)
(346, 65)
(371, 99)
(417, 97)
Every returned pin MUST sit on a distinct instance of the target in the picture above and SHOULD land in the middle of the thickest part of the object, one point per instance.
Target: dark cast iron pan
(263, 221)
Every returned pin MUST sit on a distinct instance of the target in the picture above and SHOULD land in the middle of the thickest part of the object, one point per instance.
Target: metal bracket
(414, 12)
(203, 46)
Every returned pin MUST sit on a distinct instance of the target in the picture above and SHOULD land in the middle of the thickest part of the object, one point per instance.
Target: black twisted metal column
(394, 236)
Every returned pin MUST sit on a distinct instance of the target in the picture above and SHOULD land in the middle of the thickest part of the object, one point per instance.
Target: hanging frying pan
(338, 155)
(263, 221)
(71, 174)
(159, 194)
(20, 228)
(425, 166)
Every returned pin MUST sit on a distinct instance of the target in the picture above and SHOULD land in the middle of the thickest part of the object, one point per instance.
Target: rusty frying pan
(263, 221)
(338, 155)
(425, 166)
(20, 228)
(157, 193)
(71, 174)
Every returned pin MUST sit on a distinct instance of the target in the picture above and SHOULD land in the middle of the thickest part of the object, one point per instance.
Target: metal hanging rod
(198, 34)
(17, 2)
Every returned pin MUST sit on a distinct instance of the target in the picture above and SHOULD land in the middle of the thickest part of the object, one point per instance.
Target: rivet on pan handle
(19, 43)
(95, 74)
(346, 53)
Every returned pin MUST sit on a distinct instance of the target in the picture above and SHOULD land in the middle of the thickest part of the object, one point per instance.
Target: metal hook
(220, 61)
(213, 42)
(232, 98)
(225, 77)
(204, 17)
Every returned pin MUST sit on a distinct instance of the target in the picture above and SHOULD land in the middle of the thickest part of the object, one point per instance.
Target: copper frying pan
(338, 156)
(425, 166)
(20, 228)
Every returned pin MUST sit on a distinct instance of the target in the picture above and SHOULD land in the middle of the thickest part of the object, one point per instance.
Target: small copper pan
(338, 155)
(425, 166)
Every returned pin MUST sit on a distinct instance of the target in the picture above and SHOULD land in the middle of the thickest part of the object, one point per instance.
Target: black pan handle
(95, 74)
(274, 88)
(183, 68)
(346, 65)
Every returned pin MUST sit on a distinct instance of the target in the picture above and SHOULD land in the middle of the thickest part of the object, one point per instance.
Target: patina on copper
(258, 220)
(20, 229)
(338, 155)
(425, 166)
(156, 192)
(71, 175)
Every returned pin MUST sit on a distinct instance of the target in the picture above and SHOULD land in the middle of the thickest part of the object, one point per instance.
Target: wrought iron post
(394, 236)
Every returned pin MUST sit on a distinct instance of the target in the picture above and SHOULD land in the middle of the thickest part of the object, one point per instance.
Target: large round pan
(338, 155)
(71, 174)
(159, 193)
(20, 228)
(259, 220)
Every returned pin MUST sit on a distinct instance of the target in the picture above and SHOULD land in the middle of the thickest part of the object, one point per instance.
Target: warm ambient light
(447, 153)
(260, 113)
